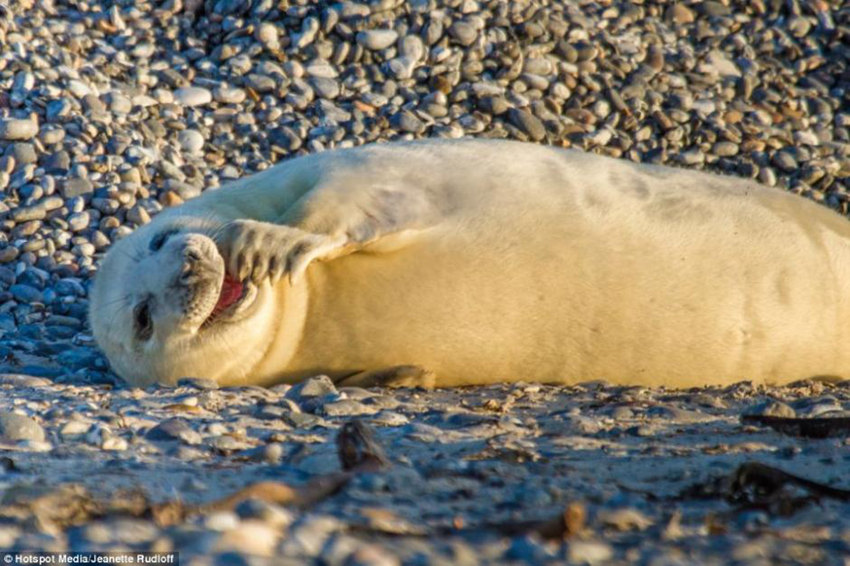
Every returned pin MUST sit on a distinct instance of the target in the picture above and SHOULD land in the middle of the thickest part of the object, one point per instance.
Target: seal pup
(448, 263)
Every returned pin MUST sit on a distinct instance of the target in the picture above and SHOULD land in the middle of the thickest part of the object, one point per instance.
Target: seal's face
(163, 306)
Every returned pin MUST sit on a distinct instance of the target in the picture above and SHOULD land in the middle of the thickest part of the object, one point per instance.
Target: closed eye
(159, 240)
(142, 320)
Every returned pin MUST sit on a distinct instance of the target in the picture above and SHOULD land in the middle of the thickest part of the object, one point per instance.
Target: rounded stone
(191, 141)
(266, 34)
(14, 427)
(725, 149)
(227, 94)
(192, 96)
(377, 39)
(407, 122)
(12, 129)
(463, 32)
(26, 294)
(528, 123)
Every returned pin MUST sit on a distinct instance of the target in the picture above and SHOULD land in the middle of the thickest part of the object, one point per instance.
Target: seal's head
(163, 307)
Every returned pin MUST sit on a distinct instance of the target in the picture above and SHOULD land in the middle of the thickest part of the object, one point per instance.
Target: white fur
(500, 261)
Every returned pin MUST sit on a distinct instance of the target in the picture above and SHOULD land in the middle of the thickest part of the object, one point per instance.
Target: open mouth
(232, 296)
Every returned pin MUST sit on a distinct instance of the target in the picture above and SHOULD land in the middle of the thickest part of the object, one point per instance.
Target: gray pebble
(325, 87)
(26, 293)
(174, 430)
(14, 427)
(138, 215)
(528, 123)
(74, 187)
(347, 408)
(318, 386)
(79, 221)
(463, 32)
(19, 380)
(227, 94)
(692, 156)
(589, 552)
(191, 141)
(266, 34)
(23, 153)
(60, 159)
(192, 96)
(772, 408)
(14, 129)
(260, 83)
(27, 213)
(377, 39)
(785, 161)
(406, 122)
(119, 103)
(767, 176)
(725, 149)
(309, 29)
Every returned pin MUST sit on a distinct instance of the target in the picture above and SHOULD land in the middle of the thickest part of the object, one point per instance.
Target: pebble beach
(113, 111)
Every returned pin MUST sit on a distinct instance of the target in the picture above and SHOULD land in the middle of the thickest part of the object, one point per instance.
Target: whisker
(123, 298)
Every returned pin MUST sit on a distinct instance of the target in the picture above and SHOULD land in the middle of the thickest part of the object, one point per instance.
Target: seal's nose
(197, 259)
(191, 260)
(191, 256)
(196, 265)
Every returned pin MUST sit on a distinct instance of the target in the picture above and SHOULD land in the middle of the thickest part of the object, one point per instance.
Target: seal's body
(470, 262)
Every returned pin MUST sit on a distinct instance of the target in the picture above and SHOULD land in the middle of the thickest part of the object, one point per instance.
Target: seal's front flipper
(256, 250)
(363, 217)
(395, 376)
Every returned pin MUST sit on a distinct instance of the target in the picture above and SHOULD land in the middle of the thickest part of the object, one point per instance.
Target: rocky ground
(111, 111)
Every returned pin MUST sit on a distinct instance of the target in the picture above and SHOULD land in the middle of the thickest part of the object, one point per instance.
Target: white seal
(444, 263)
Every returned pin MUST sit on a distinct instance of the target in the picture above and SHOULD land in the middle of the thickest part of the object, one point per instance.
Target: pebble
(725, 149)
(327, 88)
(174, 429)
(377, 39)
(406, 122)
(15, 129)
(785, 161)
(692, 156)
(528, 123)
(22, 153)
(589, 552)
(772, 408)
(463, 32)
(680, 14)
(347, 408)
(372, 555)
(227, 94)
(191, 141)
(26, 293)
(75, 187)
(267, 35)
(319, 386)
(250, 537)
(14, 427)
(192, 96)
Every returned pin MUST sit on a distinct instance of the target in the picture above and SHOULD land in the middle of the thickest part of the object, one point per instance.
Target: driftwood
(766, 481)
(809, 428)
(570, 522)
(754, 485)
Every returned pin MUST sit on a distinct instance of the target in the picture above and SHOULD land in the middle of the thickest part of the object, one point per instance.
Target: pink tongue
(231, 290)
